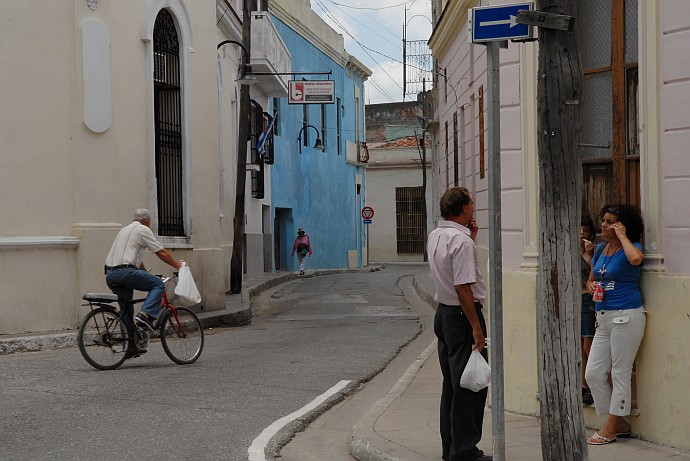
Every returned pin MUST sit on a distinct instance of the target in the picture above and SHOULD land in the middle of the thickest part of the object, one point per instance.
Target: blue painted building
(319, 190)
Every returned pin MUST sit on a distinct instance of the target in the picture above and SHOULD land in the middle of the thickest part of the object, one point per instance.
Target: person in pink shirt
(302, 246)
(459, 323)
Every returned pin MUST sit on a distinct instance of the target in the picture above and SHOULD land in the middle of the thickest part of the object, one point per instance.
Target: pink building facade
(636, 133)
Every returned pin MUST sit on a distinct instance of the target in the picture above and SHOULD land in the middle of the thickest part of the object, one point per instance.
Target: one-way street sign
(498, 23)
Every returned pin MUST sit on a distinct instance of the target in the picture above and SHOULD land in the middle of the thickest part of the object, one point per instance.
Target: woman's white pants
(302, 260)
(616, 341)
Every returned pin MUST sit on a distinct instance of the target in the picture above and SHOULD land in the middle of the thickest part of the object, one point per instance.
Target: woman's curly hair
(631, 218)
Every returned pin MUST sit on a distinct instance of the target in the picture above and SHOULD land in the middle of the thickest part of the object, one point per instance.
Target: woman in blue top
(620, 318)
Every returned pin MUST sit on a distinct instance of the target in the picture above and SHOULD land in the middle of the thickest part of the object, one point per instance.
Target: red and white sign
(367, 212)
(311, 92)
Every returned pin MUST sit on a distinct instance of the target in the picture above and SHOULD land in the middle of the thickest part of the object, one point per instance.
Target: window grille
(409, 214)
(256, 128)
(159, 67)
(168, 126)
(258, 182)
(276, 114)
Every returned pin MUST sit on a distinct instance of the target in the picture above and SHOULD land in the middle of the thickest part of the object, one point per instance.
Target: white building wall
(67, 189)
(389, 169)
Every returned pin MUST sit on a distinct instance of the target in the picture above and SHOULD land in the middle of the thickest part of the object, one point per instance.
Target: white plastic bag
(186, 289)
(477, 374)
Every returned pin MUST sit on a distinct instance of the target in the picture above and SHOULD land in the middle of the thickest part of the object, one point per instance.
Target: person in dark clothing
(587, 317)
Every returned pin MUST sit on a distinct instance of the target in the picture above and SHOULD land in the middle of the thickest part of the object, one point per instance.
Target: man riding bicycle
(124, 269)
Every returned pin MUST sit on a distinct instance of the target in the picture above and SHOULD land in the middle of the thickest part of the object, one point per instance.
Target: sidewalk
(404, 425)
(237, 312)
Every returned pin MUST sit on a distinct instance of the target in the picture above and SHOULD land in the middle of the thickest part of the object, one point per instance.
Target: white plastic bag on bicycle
(186, 289)
(477, 374)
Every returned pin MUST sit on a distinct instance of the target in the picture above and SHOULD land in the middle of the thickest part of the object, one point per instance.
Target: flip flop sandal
(623, 435)
(598, 439)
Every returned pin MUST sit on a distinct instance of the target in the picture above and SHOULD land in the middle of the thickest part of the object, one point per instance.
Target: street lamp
(247, 76)
(317, 145)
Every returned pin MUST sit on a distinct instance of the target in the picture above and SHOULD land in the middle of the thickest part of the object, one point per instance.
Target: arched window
(168, 126)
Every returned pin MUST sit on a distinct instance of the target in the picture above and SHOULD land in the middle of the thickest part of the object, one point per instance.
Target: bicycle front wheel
(103, 339)
(182, 335)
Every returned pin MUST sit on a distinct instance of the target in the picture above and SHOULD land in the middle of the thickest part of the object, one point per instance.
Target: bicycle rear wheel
(182, 335)
(103, 339)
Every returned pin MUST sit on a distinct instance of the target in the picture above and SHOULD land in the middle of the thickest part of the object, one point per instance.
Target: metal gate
(409, 214)
(168, 125)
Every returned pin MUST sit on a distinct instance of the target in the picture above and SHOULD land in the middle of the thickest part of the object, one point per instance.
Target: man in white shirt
(459, 323)
(125, 272)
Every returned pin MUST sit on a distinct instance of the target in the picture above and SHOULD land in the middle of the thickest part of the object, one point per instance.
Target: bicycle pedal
(134, 354)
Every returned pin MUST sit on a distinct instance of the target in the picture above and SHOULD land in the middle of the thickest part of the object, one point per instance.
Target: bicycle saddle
(100, 297)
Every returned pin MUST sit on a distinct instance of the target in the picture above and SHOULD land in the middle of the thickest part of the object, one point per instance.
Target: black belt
(477, 305)
(121, 266)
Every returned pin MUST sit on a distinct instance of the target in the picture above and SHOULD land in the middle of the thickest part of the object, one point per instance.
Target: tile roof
(410, 141)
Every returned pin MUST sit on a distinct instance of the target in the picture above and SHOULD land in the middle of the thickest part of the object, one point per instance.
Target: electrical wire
(366, 8)
(373, 30)
(365, 48)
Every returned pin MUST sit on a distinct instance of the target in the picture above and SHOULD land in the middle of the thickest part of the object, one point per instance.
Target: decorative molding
(288, 17)
(38, 243)
(182, 19)
(97, 225)
(92, 4)
(228, 23)
(449, 26)
(98, 107)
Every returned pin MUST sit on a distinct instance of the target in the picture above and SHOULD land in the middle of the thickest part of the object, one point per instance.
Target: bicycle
(105, 341)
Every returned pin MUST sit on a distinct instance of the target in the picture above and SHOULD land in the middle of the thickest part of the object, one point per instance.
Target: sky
(373, 34)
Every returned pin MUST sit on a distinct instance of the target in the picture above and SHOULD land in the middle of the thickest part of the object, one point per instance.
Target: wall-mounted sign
(311, 92)
(498, 23)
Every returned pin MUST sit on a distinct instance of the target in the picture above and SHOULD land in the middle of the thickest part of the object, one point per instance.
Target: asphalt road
(306, 337)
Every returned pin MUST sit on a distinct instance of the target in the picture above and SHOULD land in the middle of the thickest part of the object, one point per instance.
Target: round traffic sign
(367, 212)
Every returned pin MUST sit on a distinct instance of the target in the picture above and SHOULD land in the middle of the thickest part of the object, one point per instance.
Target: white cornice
(449, 26)
(338, 55)
(228, 21)
(38, 243)
(359, 67)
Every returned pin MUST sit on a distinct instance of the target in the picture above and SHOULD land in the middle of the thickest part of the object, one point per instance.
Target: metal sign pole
(495, 253)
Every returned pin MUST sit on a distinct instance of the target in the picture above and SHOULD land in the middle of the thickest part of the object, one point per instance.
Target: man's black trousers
(462, 411)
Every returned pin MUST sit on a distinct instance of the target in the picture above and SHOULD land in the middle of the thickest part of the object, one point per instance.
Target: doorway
(282, 227)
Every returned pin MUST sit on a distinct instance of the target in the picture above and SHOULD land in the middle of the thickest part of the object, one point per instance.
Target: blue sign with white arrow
(498, 23)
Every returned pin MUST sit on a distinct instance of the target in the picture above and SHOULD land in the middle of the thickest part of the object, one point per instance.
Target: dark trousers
(462, 411)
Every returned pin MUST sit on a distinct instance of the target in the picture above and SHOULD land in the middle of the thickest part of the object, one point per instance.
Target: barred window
(409, 214)
(168, 126)
(256, 128)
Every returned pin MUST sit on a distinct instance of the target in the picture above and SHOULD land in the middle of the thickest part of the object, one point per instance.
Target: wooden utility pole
(242, 136)
(559, 97)
(422, 144)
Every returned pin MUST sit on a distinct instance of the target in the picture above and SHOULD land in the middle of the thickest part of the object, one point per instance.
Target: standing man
(125, 272)
(459, 323)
